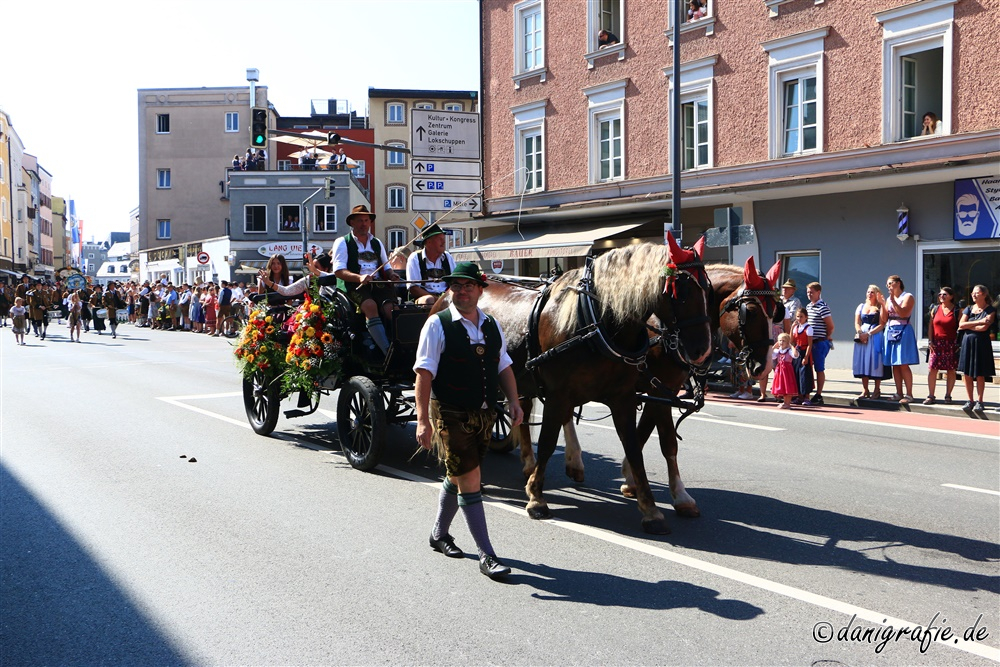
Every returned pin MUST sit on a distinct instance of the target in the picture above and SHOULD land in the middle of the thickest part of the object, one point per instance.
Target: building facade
(7, 192)
(804, 117)
(187, 140)
(389, 115)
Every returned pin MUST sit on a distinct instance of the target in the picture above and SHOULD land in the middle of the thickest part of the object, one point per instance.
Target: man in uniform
(461, 362)
(431, 263)
(38, 303)
(358, 259)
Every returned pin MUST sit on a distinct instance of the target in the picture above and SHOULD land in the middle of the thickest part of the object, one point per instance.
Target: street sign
(419, 222)
(438, 168)
(445, 203)
(203, 257)
(444, 134)
(445, 186)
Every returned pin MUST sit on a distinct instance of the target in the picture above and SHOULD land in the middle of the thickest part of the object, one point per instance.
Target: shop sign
(497, 265)
(286, 248)
(162, 254)
(977, 209)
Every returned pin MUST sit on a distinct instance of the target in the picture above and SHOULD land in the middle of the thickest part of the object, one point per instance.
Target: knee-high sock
(475, 517)
(377, 330)
(447, 509)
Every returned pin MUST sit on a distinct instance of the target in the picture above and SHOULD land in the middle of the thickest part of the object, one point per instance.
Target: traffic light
(258, 127)
(328, 187)
(332, 138)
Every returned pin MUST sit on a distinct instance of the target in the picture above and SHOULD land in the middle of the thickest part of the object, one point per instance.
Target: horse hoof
(539, 512)
(575, 474)
(656, 526)
(687, 511)
(628, 491)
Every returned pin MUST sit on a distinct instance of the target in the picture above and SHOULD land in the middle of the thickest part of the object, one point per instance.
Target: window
(163, 123)
(696, 81)
(3, 171)
(529, 41)
(255, 219)
(605, 15)
(916, 68)
(803, 268)
(395, 237)
(232, 121)
(395, 159)
(395, 113)
(326, 218)
(162, 231)
(396, 198)
(456, 240)
(795, 104)
(960, 265)
(90, 255)
(607, 140)
(163, 178)
(529, 126)
(359, 171)
(453, 106)
(111, 268)
(284, 165)
(799, 124)
(123, 268)
(288, 218)
(423, 105)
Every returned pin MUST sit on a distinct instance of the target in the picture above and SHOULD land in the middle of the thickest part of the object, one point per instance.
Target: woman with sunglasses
(942, 344)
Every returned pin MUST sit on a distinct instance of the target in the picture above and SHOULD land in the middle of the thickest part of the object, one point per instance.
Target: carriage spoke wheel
(501, 440)
(262, 400)
(361, 422)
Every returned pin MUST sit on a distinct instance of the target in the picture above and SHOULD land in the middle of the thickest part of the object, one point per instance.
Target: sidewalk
(842, 389)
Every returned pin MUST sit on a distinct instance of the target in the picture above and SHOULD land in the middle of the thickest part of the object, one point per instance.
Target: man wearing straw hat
(462, 361)
(359, 259)
(431, 263)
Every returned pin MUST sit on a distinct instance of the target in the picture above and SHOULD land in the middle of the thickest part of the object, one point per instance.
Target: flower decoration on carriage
(315, 349)
(260, 346)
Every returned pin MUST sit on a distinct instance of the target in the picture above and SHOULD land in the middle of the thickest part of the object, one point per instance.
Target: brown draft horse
(627, 289)
(733, 290)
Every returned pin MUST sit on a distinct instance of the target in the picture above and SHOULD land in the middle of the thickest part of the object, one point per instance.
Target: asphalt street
(144, 523)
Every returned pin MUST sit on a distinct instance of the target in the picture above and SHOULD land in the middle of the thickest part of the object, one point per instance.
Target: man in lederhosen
(461, 362)
(431, 263)
(358, 259)
(38, 303)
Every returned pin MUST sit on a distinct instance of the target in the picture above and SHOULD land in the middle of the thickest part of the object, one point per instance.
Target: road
(143, 523)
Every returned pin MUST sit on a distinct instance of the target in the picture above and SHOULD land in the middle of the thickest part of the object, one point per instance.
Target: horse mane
(627, 282)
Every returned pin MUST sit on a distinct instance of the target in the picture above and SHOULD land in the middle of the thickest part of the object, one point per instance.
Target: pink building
(806, 116)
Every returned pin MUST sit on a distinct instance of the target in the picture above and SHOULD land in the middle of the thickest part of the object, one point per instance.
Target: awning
(562, 241)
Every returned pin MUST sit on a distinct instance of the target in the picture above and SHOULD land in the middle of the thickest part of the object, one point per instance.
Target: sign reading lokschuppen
(444, 135)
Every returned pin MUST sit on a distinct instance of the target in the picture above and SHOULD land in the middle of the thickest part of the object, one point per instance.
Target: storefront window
(961, 269)
(803, 268)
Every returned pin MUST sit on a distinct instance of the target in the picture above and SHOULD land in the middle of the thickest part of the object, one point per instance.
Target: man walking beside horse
(461, 362)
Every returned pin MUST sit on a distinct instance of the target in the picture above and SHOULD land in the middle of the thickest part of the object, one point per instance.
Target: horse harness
(740, 302)
(593, 332)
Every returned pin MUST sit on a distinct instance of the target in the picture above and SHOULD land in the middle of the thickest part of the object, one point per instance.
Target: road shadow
(608, 590)
(58, 606)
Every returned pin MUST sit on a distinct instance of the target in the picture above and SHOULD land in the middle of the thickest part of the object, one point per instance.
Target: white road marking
(177, 400)
(700, 419)
(971, 488)
(659, 552)
(855, 420)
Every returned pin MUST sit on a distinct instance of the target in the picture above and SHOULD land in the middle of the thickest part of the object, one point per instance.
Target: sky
(71, 71)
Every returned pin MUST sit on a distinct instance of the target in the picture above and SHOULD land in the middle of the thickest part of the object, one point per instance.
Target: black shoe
(817, 400)
(446, 545)
(967, 406)
(979, 407)
(492, 567)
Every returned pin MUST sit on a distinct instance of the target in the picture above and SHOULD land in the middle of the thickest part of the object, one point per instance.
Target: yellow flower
(263, 348)
(314, 308)
(268, 319)
(250, 358)
(310, 332)
(327, 339)
(269, 330)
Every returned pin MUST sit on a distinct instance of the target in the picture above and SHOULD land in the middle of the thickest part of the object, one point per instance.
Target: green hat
(432, 230)
(468, 271)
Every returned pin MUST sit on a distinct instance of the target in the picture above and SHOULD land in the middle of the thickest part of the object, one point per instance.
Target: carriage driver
(461, 361)
(357, 258)
(429, 264)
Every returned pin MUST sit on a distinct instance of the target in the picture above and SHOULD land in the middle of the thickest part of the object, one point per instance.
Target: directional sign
(445, 203)
(445, 186)
(446, 168)
(444, 134)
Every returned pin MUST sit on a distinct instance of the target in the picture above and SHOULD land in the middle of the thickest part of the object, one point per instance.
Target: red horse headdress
(679, 256)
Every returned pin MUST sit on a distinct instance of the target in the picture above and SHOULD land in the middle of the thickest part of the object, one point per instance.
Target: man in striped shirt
(821, 321)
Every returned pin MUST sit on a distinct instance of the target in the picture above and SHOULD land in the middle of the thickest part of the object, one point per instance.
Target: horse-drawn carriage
(316, 346)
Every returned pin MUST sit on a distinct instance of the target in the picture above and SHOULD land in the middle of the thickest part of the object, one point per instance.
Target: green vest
(353, 264)
(465, 379)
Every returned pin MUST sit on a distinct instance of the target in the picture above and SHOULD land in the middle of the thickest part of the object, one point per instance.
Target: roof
(120, 249)
(422, 94)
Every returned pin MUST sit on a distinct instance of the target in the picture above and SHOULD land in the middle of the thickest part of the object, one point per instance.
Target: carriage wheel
(262, 399)
(361, 422)
(501, 440)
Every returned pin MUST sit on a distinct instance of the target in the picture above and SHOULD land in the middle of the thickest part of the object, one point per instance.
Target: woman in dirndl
(975, 361)
(942, 345)
(900, 339)
(869, 322)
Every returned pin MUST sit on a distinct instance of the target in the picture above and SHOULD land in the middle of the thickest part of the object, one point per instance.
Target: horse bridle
(740, 302)
(669, 336)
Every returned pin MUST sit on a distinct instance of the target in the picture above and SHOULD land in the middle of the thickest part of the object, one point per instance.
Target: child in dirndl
(19, 320)
(785, 385)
